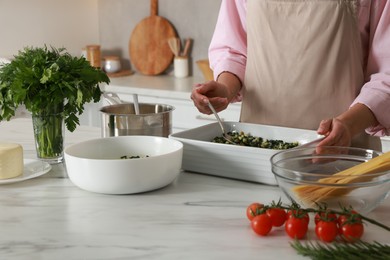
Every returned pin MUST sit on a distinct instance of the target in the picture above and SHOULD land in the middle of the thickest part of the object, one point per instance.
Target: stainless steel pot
(121, 119)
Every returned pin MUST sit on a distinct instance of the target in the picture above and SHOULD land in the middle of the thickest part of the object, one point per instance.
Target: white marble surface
(196, 217)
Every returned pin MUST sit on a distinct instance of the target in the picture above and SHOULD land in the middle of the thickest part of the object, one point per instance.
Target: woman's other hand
(339, 131)
(336, 131)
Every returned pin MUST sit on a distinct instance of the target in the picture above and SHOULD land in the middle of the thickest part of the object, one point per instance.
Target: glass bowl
(307, 178)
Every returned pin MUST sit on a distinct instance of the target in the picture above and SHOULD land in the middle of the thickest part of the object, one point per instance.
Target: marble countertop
(195, 217)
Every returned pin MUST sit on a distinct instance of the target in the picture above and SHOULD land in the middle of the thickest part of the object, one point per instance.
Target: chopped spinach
(246, 139)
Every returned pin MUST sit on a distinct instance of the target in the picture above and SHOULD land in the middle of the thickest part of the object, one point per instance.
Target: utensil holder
(180, 65)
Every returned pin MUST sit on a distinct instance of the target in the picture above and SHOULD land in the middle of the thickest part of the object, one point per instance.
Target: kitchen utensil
(174, 45)
(201, 155)
(136, 104)
(148, 45)
(337, 176)
(121, 119)
(225, 135)
(187, 46)
(125, 118)
(97, 165)
(112, 98)
(312, 143)
(180, 66)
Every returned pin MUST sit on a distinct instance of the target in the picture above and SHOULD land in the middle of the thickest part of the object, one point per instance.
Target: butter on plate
(11, 160)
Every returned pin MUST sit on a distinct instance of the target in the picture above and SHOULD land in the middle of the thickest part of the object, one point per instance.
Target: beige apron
(304, 62)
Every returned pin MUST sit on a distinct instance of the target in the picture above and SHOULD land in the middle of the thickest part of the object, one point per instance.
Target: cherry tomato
(298, 213)
(348, 216)
(325, 216)
(326, 230)
(253, 209)
(261, 224)
(352, 232)
(278, 216)
(296, 227)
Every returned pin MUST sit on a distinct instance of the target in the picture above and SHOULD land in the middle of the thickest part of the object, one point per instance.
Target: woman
(318, 64)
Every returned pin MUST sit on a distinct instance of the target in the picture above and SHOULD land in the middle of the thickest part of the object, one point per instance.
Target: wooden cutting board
(148, 46)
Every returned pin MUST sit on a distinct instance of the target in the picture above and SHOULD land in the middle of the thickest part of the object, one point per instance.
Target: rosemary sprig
(358, 250)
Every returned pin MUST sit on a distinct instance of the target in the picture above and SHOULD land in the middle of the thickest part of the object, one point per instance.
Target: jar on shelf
(93, 55)
(112, 64)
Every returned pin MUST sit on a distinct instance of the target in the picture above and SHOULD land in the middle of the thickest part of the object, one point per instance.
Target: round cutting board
(148, 46)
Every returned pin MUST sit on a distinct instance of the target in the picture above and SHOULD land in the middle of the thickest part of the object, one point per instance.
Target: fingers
(336, 132)
(200, 102)
(219, 103)
(208, 92)
(325, 126)
(207, 87)
(331, 140)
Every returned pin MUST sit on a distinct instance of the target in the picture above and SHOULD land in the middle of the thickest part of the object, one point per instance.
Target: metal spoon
(225, 135)
(136, 104)
(113, 99)
(312, 143)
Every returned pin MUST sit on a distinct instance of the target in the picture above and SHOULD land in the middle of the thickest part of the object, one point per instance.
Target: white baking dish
(385, 143)
(238, 162)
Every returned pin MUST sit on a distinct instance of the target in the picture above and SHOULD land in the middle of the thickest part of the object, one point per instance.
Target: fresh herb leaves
(43, 78)
(358, 250)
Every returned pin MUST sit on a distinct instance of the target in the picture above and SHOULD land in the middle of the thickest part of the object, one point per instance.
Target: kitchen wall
(76, 23)
(191, 18)
(60, 23)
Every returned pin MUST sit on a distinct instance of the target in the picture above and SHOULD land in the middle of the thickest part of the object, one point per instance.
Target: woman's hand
(219, 93)
(339, 131)
(211, 91)
(336, 132)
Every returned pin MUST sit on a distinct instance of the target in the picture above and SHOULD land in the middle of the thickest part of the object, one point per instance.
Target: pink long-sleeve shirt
(228, 48)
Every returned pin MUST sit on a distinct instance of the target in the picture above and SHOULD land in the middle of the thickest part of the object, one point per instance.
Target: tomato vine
(329, 224)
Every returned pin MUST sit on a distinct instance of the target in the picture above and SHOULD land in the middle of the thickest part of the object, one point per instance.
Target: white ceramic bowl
(96, 165)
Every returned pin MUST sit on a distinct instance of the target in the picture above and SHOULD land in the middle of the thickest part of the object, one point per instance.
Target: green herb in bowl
(133, 156)
(246, 139)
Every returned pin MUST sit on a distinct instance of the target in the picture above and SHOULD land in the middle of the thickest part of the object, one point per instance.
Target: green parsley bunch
(44, 79)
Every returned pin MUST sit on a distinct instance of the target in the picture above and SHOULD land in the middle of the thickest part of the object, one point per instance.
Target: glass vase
(49, 134)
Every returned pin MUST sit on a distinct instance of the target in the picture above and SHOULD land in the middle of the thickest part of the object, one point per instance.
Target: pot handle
(112, 98)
